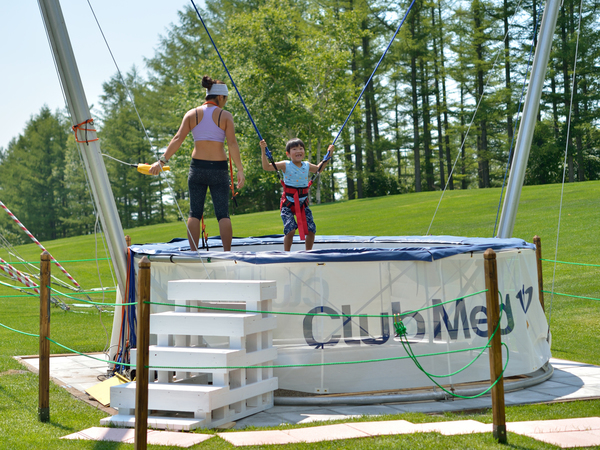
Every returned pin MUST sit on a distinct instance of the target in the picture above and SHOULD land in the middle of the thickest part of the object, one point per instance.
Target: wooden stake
(143, 341)
(538, 256)
(44, 373)
(128, 240)
(493, 316)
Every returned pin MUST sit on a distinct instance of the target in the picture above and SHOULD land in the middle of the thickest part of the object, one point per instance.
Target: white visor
(218, 89)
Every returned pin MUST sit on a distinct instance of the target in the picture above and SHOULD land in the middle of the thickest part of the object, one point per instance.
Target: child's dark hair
(294, 143)
(207, 83)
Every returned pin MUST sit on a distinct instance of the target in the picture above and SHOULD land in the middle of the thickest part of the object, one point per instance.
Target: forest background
(300, 66)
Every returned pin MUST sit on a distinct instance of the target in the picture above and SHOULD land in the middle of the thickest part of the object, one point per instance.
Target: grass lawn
(574, 322)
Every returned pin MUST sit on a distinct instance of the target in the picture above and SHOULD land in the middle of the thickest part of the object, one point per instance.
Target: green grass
(574, 322)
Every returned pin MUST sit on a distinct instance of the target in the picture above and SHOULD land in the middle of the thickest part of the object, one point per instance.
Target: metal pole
(528, 121)
(78, 107)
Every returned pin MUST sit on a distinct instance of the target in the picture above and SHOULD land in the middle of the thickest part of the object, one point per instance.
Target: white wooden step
(197, 399)
(186, 424)
(222, 290)
(204, 357)
(155, 422)
(210, 324)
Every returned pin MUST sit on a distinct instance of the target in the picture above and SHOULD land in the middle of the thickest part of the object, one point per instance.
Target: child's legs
(312, 229)
(289, 227)
(310, 240)
(288, 240)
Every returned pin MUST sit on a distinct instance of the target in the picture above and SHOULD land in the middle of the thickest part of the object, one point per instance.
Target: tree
(32, 175)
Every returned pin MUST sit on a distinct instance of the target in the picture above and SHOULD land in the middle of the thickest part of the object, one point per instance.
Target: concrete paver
(326, 433)
(570, 381)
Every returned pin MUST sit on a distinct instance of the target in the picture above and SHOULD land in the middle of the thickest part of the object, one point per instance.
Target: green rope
(20, 295)
(401, 332)
(570, 295)
(274, 366)
(16, 287)
(88, 301)
(28, 295)
(336, 363)
(21, 332)
(379, 316)
(572, 263)
(62, 262)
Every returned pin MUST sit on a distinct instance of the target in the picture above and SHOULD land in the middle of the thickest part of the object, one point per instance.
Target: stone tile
(310, 414)
(566, 378)
(571, 439)
(563, 363)
(384, 428)
(466, 404)
(104, 434)
(127, 435)
(583, 392)
(364, 410)
(326, 433)
(262, 419)
(270, 437)
(527, 396)
(562, 391)
(281, 408)
(171, 438)
(455, 427)
(424, 407)
(313, 416)
(553, 426)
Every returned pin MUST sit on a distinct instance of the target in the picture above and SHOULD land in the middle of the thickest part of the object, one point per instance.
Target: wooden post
(44, 372)
(538, 256)
(128, 240)
(493, 316)
(143, 341)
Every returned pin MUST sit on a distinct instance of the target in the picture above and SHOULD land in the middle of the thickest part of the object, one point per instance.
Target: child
(294, 200)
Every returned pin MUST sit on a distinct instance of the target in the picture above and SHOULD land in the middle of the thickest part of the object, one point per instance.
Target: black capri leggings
(209, 174)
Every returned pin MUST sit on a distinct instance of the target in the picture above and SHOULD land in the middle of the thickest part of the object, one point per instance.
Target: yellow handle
(144, 168)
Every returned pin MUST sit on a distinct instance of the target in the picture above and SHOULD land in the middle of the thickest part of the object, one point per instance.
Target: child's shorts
(289, 221)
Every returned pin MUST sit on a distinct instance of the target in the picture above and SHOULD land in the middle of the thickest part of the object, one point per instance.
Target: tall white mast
(528, 120)
(92, 157)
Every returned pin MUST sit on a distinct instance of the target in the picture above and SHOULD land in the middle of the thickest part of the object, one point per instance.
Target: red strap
(79, 127)
(296, 208)
(203, 233)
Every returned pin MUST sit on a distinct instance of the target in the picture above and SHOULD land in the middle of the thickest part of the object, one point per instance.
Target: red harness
(297, 207)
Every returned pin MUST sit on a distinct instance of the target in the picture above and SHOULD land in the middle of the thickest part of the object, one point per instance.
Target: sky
(28, 78)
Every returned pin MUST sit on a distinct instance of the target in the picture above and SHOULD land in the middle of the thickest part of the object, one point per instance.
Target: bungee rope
(516, 121)
(327, 155)
(32, 237)
(267, 151)
(141, 167)
(464, 141)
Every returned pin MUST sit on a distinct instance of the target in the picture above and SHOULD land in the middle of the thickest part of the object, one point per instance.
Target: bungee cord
(516, 124)
(471, 122)
(562, 186)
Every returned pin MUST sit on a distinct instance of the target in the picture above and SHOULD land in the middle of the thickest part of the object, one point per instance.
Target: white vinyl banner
(446, 337)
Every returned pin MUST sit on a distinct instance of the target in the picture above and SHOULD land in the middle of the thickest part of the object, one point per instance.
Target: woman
(210, 125)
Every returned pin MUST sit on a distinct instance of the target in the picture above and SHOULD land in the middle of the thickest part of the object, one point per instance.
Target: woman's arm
(175, 143)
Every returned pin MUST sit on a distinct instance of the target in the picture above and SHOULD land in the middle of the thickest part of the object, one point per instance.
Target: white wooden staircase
(201, 357)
